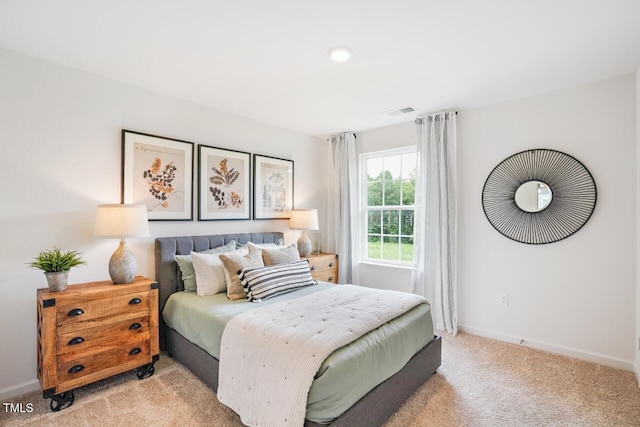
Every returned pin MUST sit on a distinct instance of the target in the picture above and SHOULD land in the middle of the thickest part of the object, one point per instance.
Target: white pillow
(186, 265)
(210, 272)
(263, 245)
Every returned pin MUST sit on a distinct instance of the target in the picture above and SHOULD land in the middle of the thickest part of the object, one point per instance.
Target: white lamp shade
(304, 219)
(121, 221)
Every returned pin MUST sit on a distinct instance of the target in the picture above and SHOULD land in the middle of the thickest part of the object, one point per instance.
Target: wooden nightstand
(92, 331)
(324, 267)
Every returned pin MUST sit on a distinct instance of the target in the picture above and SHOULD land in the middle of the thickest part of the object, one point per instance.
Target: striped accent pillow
(267, 282)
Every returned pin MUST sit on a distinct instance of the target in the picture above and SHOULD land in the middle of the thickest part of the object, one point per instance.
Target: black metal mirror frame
(574, 196)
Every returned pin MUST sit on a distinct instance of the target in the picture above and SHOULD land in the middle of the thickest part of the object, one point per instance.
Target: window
(389, 187)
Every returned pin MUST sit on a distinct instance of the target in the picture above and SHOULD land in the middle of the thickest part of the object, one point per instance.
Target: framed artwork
(158, 172)
(224, 184)
(273, 187)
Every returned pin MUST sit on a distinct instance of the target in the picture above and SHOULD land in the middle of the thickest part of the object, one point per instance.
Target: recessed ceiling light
(340, 53)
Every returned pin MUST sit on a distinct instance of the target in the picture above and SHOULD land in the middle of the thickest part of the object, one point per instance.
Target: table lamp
(120, 222)
(304, 219)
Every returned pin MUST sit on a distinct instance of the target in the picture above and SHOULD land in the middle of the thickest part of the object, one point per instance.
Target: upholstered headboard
(167, 272)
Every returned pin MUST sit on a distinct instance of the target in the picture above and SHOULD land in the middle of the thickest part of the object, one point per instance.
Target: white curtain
(434, 269)
(345, 204)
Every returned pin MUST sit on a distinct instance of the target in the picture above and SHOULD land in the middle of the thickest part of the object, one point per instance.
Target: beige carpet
(481, 382)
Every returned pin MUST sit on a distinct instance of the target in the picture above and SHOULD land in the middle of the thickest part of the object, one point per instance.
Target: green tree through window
(390, 194)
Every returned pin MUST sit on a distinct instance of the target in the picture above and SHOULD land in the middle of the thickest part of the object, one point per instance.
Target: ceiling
(267, 60)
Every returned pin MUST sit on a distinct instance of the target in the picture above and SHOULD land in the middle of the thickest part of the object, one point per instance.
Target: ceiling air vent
(399, 111)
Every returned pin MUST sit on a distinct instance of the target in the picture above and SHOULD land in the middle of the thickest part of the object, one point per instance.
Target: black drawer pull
(331, 264)
(76, 340)
(76, 369)
(313, 267)
(134, 351)
(135, 301)
(75, 312)
(330, 279)
(135, 326)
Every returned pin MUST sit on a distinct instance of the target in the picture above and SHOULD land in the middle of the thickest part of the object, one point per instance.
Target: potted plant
(56, 265)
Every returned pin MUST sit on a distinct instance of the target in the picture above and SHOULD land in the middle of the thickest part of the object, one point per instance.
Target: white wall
(582, 303)
(637, 367)
(60, 149)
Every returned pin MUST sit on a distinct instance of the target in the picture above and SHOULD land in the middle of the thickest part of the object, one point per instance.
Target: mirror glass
(533, 196)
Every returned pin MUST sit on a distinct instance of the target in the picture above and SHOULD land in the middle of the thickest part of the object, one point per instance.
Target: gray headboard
(167, 272)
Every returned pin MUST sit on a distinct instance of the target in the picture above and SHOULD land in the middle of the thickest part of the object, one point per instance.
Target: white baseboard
(615, 362)
(636, 370)
(18, 390)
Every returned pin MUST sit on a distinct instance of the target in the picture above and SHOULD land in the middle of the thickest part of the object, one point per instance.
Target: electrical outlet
(503, 299)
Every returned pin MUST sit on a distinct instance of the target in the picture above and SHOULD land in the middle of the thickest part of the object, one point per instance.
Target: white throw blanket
(269, 356)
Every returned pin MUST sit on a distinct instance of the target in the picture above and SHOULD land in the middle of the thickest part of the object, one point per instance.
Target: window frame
(365, 208)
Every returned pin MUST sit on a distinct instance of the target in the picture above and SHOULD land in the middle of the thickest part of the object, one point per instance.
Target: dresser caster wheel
(62, 400)
(145, 371)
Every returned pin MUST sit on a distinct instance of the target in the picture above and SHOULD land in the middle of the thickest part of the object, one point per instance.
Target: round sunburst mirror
(539, 196)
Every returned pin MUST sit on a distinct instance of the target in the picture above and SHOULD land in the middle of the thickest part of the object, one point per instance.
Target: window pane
(374, 222)
(390, 184)
(373, 247)
(374, 194)
(409, 166)
(406, 224)
(390, 248)
(390, 222)
(406, 249)
(374, 168)
(408, 193)
(392, 193)
(392, 165)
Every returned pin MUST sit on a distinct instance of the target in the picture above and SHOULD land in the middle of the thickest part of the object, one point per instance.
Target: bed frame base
(372, 410)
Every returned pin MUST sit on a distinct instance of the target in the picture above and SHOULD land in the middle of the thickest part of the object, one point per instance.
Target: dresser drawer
(81, 311)
(92, 331)
(136, 354)
(119, 332)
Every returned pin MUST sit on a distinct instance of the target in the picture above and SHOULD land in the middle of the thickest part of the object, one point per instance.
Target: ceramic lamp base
(122, 265)
(304, 245)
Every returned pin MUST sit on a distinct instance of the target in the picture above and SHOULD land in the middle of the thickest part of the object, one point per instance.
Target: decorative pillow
(268, 282)
(209, 272)
(233, 264)
(279, 243)
(186, 265)
(283, 255)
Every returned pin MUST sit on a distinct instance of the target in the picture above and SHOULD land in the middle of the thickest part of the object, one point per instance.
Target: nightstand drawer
(93, 309)
(324, 267)
(136, 353)
(119, 332)
(321, 263)
(325, 276)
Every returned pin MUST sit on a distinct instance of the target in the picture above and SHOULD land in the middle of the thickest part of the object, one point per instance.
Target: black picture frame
(224, 184)
(158, 172)
(273, 183)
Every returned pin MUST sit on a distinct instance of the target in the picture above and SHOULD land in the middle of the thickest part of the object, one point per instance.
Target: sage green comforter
(371, 359)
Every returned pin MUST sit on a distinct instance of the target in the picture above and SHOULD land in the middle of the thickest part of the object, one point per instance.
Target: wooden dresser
(92, 331)
(324, 267)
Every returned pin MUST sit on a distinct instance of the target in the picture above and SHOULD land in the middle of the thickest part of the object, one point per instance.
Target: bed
(373, 407)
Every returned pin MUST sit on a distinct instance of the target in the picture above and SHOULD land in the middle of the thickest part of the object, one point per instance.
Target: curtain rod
(419, 120)
(354, 135)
